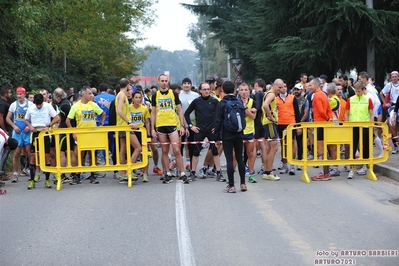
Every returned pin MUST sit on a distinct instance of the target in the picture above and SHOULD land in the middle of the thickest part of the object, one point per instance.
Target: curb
(387, 171)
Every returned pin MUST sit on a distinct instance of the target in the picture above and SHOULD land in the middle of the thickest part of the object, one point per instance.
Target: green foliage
(282, 38)
(39, 37)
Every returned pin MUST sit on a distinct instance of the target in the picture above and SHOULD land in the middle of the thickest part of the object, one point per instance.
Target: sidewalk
(389, 168)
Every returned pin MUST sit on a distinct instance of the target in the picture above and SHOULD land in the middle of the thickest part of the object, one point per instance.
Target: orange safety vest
(286, 112)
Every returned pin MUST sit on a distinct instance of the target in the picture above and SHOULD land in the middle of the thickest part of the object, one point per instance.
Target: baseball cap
(298, 86)
(21, 90)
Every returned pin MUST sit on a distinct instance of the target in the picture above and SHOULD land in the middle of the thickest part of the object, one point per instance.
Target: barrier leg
(370, 174)
(305, 177)
(129, 179)
(59, 183)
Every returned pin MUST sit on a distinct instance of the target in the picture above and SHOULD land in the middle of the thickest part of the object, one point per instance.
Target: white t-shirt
(186, 99)
(393, 90)
(40, 117)
(372, 93)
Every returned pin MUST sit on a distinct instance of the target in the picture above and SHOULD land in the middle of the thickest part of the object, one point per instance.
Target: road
(285, 222)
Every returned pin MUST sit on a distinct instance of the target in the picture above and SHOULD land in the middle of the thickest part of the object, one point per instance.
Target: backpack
(234, 116)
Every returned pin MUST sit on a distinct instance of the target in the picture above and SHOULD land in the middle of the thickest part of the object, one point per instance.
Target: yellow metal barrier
(90, 140)
(336, 134)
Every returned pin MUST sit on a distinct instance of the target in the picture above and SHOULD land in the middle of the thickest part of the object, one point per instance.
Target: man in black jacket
(205, 109)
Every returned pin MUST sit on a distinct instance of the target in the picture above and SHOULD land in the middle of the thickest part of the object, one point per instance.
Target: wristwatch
(129, 122)
(190, 125)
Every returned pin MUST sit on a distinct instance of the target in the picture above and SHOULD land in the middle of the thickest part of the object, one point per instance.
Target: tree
(91, 35)
(286, 37)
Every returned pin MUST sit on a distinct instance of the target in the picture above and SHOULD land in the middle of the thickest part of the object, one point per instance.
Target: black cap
(186, 80)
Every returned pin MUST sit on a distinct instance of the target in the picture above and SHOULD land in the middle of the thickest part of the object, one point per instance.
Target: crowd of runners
(182, 120)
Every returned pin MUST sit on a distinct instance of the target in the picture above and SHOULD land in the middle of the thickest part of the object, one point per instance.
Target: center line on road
(183, 234)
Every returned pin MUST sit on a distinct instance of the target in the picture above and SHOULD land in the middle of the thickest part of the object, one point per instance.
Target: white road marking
(183, 234)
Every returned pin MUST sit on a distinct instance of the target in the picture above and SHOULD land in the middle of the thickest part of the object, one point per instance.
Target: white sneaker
(362, 171)
(298, 168)
(310, 157)
(351, 175)
(284, 171)
(292, 170)
(280, 166)
(334, 172)
(346, 168)
(395, 150)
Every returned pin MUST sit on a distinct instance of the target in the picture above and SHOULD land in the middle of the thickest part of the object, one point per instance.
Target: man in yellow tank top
(164, 126)
(84, 112)
(269, 122)
(123, 119)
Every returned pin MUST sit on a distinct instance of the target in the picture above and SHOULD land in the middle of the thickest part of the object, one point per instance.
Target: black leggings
(228, 146)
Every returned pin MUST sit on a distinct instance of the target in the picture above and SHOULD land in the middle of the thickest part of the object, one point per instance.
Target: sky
(171, 26)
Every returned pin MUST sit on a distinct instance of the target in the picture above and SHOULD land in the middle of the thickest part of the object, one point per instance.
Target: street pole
(370, 49)
(228, 68)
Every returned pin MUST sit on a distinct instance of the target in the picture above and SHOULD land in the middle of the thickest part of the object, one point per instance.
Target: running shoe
(317, 177)
(334, 172)
(298, 168)
(47, 183)
(122, 180)
(351, 175)
(230, 189)
(14, 178)
(145, 178)
(184, 179)
(156, 170)
(168, 179)
(100, 175)
(211, 173)
(31, 184)
(188, 167)
(271, 177)
(284, 170)
(395, 150)
(281, 166)
(362, 171)
(202, 173)
(346, 168)
(243, 187)
(37, 178)
(94, 180)
(252, 179)
(292, 170)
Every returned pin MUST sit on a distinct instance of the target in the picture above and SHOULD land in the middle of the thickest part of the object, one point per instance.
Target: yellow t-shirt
(85, 113)
(138, 116)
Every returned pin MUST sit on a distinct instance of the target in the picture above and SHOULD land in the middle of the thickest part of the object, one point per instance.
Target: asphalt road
(285, 222)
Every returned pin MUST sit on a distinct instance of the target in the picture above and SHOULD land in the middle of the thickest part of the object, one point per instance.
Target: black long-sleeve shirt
(205, 110)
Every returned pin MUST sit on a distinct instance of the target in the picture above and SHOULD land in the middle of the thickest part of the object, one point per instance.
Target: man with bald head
(269, 122)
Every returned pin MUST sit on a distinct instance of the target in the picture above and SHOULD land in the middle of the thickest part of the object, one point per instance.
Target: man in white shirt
(40, 116)
(186, 97)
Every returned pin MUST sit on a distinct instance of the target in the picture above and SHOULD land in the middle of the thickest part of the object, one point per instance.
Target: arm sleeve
(296, 110)
(154, 100)
(348, 104)
(187, 113)
(177, 99)
(371, 105)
